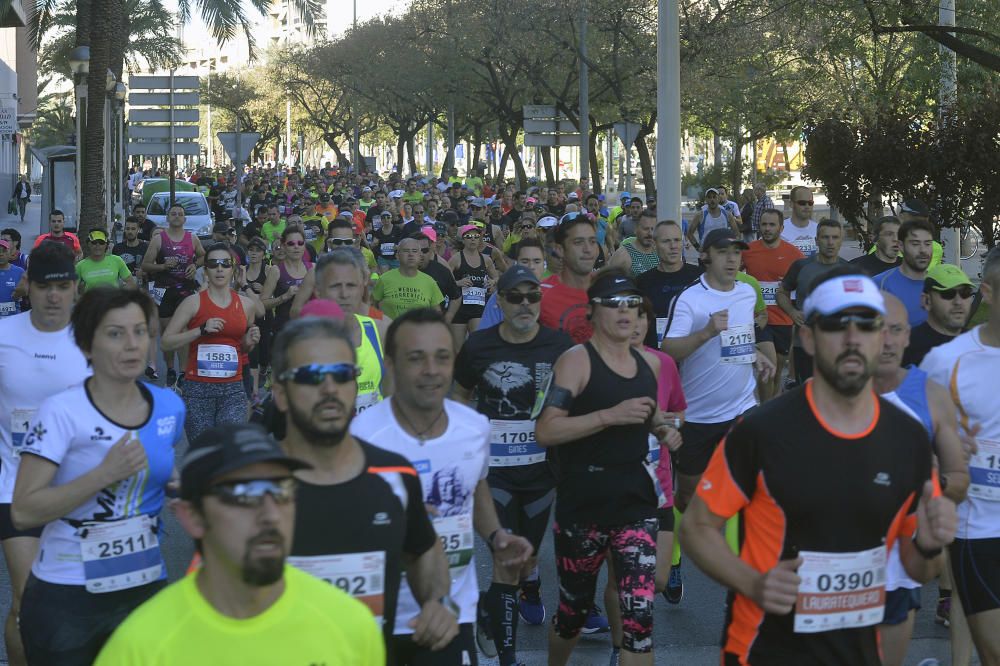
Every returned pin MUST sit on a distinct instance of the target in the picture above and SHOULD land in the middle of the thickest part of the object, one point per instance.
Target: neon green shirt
(395, 293)
(312, 622)
(761, 306)
(108, 272)
(272, 231)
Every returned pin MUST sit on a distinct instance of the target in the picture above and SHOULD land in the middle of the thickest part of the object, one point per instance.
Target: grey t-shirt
(800, 277)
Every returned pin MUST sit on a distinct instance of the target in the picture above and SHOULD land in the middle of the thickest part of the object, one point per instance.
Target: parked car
(198, 217)
(145, 190)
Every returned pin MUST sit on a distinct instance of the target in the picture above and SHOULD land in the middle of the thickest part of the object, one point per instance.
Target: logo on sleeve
(882, 479)
(99, 435)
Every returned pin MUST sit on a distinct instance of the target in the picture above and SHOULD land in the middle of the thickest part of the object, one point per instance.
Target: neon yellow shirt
(395, 293)
(108, 272)
(312, 622)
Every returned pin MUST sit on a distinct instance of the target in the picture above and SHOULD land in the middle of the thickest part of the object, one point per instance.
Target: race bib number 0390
(840, 590)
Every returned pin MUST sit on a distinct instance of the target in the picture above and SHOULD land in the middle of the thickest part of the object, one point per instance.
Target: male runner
(768, 259)
(827, 478)
(38, 358)
(670, 277)
(906, 281)
(448, 446)
(564, 295)
(710, 334)
(711, 217)
(885, 253)
(58, 234)
(640, 256)
(244, 605)
(800, 229)
(799, 280)
(947, 298)
(506, 367)
(360, 521)
(172, 259)
(406, 288)
(929, 403)
(968, 366)
(12, 286)
(528, 252)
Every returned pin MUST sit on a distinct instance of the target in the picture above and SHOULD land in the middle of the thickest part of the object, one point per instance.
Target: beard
(317, 436)
(847, 385)
(261, 572)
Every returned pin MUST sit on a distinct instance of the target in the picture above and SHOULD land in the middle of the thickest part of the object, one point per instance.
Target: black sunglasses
(94, 241)
(630, 302)
(250, 493)
(518, 297)
(838, 323)
(314, 373)
(218, 263)
(341, 241)
(949, 294)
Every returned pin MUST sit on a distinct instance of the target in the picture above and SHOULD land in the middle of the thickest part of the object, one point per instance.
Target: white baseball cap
(843, 292)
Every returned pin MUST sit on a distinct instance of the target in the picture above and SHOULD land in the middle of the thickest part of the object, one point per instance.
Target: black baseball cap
(514, 276)
(222, 449)
(915, 207)
(220, 228)
(611, 284)
(722, 238)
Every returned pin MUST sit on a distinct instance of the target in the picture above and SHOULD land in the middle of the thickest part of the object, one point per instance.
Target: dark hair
(773, 211)
(52, 253)
(138, 205)
(915, 224)
(827, 222)
(14, 234)
(420, 236)
(94, 305)
(525, 243)
(991, 266)
(648, 212)
(56, 211)
(647, 309)
(835, 272)
(885, 219)
(339, 224)
(567, 223)
(591, 196)
(131, 219)
(308, 328)
(218, 247)
(292, 229)
(417, 316)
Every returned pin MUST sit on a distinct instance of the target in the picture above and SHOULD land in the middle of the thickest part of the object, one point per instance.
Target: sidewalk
(30, 228)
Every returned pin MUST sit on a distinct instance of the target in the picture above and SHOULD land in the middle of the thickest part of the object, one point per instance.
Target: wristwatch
(450, 605)
(202, 328)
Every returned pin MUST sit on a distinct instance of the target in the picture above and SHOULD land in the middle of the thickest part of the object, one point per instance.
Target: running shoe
(152, 375)
(484, 638)
(530, 606)
(675, 586)
(943, 613)
(596, 622)
(171, 377)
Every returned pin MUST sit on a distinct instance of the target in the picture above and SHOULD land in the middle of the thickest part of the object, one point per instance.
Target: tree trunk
(410, 152)
(717, 149)
(502, 169)
(645, 164)
(448, 161)
(595, 167)
(546, 153)
(736, 173)
(92, 214)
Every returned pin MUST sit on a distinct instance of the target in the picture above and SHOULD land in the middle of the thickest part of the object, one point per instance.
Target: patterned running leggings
(580, 552)
(211, 404)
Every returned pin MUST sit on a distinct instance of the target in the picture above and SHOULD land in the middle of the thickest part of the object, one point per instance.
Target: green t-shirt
(752, 281)
(272, 231)
(475, 183)
(395, 293)
(108, 272)
(413, 197)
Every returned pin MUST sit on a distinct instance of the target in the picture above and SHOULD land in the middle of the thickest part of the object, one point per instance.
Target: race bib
(8, 308)
(661, 328)
(738, 344)
(455, 533)
(361, 575)
(840, 590)
(387, 249)
(984, 471)
(364, 401)
(770, 292)
(473, 296)
(120, 555)
(650, 464)
(157, 293)
(20, 421)
(513, 443)
(806, 245)
(219, 361)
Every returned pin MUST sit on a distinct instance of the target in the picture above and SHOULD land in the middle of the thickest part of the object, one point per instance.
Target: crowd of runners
(362, 375)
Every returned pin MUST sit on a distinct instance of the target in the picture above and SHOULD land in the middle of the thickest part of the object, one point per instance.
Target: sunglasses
(95, 241)
(527, 227)
(251, 493)
(949, 294)
(803, 202)
(314, 373)
(295, 243)
(218, 263)
(425, 250)
(630, 302)
(839, 323)
(518, 297)
(341, 241)
(472, 236)
(418, 212)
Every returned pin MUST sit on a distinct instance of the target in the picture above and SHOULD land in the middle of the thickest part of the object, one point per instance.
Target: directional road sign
(627, 132)
(238, 145)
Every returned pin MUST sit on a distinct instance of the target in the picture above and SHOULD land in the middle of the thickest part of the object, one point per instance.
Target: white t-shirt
(969, 368)
(716, 391)
(72, 433)
(450, 467)
(33, 366)
(803, 238)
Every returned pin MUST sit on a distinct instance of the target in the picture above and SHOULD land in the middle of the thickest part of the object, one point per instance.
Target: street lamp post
(109, 92)
(120, 92)
(79, 63)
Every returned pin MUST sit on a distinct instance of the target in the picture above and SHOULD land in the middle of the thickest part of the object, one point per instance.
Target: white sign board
(8, 120)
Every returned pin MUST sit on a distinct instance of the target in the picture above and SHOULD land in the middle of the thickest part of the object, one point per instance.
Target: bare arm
(428, 574)
(621, 259)
(267, 291)
(682, 347)
(149, 264)
(784, 300)
(702, 534)
(177, 335)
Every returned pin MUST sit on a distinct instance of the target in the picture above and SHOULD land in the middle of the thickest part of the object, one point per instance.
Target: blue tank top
(912, 393)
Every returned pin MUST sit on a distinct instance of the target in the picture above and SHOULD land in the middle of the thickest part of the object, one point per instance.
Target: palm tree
(55, 121)
(102, 25)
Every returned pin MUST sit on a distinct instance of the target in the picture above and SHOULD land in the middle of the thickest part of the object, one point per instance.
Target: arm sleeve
(420, 534)
(465, 372)
(791, 280)
(123, 272)
(492, 315)
(51, 434)
(729, 482)
(378, 293)
(681, 318)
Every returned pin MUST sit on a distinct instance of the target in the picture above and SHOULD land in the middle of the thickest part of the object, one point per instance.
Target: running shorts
(700, 440)
(899, 603)
(975, 566)
(172, 298)
(781, 336)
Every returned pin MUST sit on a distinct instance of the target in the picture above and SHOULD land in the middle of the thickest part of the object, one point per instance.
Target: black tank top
(477, 274)
(603, 477)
